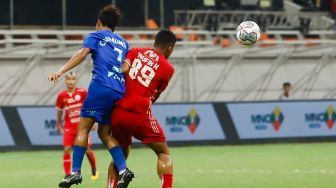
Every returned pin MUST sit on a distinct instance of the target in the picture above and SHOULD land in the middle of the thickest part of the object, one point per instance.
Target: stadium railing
(11, 39)
(201, 19)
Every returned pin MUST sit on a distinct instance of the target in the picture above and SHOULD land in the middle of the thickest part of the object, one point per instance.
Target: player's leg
(104, 131)
(164, 163)
(122, 135)
(92, 159)
(67, 160)
(79, 150)
(150, 133)
(81, 142)
(68, 141)
(112, 178)
(116, 152)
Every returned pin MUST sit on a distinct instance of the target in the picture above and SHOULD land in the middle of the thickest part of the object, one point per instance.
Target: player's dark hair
(109, 16)
(164, 39)
(286, 84)
(70, 74)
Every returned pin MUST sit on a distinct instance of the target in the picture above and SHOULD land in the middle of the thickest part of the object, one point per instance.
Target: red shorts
(142, 126)
(69, 137)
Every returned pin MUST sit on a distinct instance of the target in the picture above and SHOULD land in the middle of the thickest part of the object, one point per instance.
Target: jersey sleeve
(163, 84)
(59, 102)
(90, 41)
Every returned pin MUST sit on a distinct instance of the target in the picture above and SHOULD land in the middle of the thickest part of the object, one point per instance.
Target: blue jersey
(108, 53)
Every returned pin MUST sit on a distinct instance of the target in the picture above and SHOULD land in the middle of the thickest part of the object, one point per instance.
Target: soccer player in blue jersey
(108, 50)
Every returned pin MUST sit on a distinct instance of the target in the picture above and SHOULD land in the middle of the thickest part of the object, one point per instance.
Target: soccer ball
(248, 33)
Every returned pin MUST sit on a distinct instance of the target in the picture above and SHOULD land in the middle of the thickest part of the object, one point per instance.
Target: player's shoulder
(169, 66)
(95, 34)
(141, 50)
(120, 40)
(62, 93)
(81, 90)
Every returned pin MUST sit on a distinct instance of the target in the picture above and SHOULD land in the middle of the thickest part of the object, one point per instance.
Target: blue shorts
(99, 103)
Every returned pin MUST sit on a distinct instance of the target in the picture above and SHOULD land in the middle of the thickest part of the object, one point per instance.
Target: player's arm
(125, 67)
(73, 62)
(59, 121)
(163, 85)
(59, 108)
(156, 96)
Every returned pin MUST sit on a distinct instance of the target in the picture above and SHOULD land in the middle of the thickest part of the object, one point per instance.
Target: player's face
(287, 89)
(71, 82)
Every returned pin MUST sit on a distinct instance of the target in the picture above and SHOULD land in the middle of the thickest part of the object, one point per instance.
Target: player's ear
(98, 24)
(169, 50)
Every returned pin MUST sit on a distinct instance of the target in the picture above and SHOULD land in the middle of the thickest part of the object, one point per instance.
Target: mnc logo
(315, 119)
(177, 123)
(262, 121)
(50, 125)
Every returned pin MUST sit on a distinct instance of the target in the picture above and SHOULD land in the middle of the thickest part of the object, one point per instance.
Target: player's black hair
(286, 84)
(164, 39)
(70, 74)
(109, 16)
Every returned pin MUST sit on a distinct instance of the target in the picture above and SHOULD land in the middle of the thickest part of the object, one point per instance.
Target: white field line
(261, 171)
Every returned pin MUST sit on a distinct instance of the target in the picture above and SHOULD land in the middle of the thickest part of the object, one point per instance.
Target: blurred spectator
(304, 25)
(286, 95)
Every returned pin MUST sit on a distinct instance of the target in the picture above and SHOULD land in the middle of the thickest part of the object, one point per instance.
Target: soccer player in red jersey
(71, 101)
(148, 73)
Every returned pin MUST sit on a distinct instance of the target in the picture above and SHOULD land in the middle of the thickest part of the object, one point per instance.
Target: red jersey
(72, 104)
(148, 76)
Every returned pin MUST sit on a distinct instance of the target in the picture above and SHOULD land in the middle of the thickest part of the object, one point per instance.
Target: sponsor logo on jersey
(71, 100)
(264, 121)
(91, 112)
(78, 97)
(321, 119)
(190, 121)
(152, 54)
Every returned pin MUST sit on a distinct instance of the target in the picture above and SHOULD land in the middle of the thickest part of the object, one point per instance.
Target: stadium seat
(225, 42)
(151, 24)
(175, 29)
(265, 36)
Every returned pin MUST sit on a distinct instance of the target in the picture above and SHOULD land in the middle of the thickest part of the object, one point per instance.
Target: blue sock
(77, 158)
(118, 158)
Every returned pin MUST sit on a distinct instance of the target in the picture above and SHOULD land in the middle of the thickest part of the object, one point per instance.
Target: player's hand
(94, 127)
(53, 77)
(59, 130)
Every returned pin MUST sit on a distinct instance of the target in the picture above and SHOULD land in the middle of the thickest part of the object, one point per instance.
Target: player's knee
(83, 130)
(164, 161)
(67, 150)
(88, 150)
(103, 136)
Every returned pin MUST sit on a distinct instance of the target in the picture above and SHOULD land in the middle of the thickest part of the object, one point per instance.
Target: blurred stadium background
(233, 90)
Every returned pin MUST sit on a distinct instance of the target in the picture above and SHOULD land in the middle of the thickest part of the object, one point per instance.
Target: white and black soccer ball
(248, 33)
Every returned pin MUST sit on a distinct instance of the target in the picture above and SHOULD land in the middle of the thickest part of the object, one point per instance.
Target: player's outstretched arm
(73, 62)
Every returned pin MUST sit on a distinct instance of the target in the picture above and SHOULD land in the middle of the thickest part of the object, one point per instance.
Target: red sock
(92, 159)
(67, 164)
(166, 180)
(112, 183)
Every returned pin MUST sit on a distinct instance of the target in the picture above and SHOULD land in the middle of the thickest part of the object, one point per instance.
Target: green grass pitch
(249, 166)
